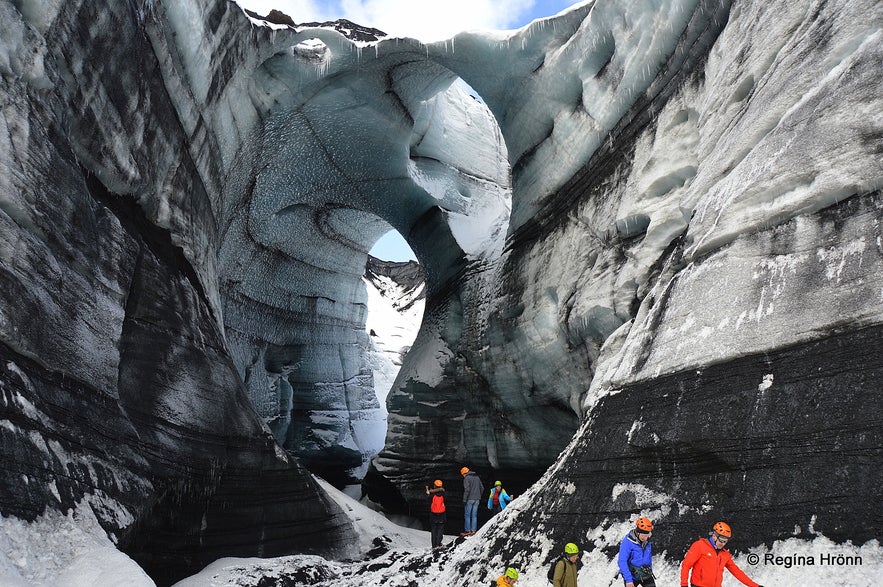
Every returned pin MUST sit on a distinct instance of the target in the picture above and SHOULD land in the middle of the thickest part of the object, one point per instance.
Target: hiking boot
(466, 533)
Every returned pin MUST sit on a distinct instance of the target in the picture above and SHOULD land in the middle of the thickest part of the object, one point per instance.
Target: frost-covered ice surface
(720, 166)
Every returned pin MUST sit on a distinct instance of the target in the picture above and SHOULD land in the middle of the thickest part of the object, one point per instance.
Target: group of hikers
(703, 565)
(473, 489)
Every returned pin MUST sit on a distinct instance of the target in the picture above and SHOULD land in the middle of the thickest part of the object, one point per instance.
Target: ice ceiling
(352, 141)
(353, 138)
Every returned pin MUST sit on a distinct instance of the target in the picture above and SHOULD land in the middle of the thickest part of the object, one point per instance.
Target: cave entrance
(336, 169)
(396, 300)
(320, 343)
(396, 297)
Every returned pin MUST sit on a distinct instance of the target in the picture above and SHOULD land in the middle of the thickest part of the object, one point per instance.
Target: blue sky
(392, 247)
(427, 20)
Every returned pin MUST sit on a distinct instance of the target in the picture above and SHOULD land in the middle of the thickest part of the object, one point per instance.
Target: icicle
(322, 68)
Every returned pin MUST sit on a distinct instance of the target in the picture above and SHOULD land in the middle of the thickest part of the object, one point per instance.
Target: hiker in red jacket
(707, 559)
(437, 515)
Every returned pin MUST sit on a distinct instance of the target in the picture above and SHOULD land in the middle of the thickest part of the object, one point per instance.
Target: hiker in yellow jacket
(508, 578)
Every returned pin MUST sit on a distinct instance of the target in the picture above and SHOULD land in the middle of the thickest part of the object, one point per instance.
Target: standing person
(472, 491)
(636, 555)
(508, 578)
(707, 559)
(565, 570)
(437, 515)
(498, 498)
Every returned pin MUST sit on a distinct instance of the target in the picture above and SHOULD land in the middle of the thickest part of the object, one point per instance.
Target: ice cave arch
(328, 169)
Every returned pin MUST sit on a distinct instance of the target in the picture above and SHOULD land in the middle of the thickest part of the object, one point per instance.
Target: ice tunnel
(338, 161)
(352, 140)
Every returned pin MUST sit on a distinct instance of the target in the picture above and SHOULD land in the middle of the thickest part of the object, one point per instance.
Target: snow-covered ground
(64, 551)
(73, 551)
(789, 563)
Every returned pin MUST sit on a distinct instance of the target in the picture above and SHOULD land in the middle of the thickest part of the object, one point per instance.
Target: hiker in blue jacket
(635, 556)
(498, 498)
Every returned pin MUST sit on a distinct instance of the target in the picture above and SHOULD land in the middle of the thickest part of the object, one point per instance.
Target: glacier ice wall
(713, 257)
(659, 229)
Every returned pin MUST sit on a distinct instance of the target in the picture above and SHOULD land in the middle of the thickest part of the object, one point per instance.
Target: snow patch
(64, 550)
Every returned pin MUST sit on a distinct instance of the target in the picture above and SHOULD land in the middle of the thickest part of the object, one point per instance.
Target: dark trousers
(437, 528)
(496, 509)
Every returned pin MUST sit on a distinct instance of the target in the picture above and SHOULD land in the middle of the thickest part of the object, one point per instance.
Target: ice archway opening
(340, 157)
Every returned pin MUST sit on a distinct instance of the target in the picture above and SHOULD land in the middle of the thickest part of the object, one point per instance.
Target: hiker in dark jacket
(635, 555)
(472, 492)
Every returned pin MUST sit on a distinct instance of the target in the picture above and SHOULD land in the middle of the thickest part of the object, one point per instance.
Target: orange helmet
(723, 529)
(464, 470)
(437, 483)
(644, 524)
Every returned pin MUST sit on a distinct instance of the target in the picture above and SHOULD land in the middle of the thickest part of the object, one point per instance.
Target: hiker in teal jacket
(498, 498)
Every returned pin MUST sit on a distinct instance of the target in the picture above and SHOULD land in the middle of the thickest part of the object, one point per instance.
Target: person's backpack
(552, 565)
(559, 557)
(438, 504)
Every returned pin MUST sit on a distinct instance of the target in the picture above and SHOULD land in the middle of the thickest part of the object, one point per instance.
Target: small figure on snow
(437, 516)
(707, 559)
(635, 555)
(508, 578)
(498, 498)
(472, 491)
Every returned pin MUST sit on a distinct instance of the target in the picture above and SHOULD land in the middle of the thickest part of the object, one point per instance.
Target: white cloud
(427, 20)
